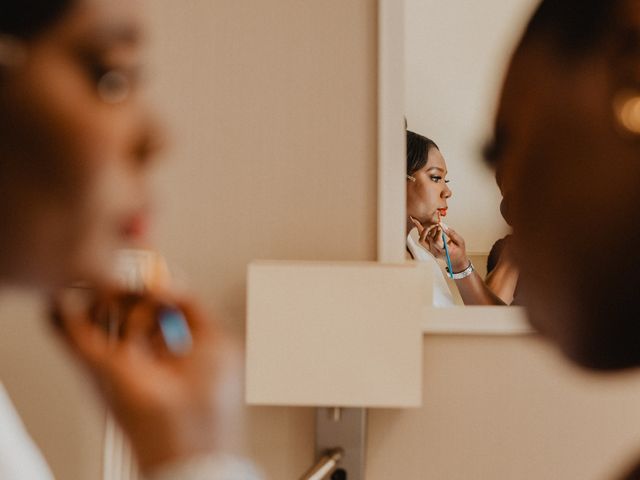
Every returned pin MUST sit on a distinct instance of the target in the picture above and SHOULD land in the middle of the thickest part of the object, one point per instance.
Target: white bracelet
(465, 273)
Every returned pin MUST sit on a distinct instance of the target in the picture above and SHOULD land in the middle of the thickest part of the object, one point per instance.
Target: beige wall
(501, 408)
(54, 398)
(272, 109)
(272, 106)
(455, 54)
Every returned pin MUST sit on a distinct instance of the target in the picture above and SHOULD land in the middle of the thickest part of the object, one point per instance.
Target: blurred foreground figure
(75, 146)
(567, 138)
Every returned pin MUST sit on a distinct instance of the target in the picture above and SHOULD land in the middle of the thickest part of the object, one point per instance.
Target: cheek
(78, 178)
(115, 194)
(426, 195)
(575, 227)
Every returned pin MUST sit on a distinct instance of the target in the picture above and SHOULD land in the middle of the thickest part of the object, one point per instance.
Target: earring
(626, 107)
(12, 51)
(409, 177)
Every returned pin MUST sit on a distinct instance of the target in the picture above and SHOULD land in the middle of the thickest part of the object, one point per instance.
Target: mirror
(455, 54)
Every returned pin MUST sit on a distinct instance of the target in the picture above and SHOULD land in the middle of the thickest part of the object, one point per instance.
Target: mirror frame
(391, 132)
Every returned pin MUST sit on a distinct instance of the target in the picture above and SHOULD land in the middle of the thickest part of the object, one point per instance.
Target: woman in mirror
(76, 144)
(567, 137)
(427, 196)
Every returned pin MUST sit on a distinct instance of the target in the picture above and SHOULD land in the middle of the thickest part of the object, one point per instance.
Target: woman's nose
(151, 140)
(446, 192)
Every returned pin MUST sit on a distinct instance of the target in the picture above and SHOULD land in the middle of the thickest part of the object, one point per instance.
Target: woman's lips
(442, 212)
(135, 226)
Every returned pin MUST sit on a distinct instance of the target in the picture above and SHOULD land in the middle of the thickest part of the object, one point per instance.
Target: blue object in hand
(175, 331)
(446, 252)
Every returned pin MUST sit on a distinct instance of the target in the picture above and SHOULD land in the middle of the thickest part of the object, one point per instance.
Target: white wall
(455, 53)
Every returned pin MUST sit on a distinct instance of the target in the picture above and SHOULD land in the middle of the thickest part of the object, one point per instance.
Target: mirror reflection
(431, 240)
(457, 210)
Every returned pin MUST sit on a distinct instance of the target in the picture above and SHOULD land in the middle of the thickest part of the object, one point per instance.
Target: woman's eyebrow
(116, 33)
(436, 168)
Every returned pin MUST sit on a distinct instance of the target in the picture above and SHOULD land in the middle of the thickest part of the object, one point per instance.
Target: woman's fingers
(423, 235)
(433, 231)
(139, 323)
(431, 239)
(437, 236)
(86, 339)
(455, 237)
(417, 224)
(196, 319)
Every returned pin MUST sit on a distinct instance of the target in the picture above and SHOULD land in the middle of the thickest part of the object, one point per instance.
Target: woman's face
(572, 179)
(427, 196)
(75, 143)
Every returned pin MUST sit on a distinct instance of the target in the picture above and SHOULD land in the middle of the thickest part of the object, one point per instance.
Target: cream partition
(503, 407)
(336, 334)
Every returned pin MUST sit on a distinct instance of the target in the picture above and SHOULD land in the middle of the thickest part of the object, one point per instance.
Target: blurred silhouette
(567, 138)
(76, 144)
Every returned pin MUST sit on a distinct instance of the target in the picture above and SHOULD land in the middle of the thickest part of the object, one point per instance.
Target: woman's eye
(438, 179)
(114, 86)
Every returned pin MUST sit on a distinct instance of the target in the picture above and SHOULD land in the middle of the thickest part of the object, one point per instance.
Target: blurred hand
(170, 406)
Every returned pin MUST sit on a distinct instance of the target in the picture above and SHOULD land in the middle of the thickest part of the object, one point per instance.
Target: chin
(94, 261)
(598, 355)
(431, 220)
(613, 343)
(596, 333)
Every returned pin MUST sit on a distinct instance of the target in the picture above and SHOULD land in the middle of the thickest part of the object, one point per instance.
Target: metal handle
(325, 465)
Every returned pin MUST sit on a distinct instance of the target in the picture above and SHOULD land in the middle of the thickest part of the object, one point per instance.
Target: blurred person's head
(75, 138)
(570, 161)
(427, 189)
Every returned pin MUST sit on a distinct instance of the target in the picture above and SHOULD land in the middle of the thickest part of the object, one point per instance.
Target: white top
(442, 296)
(20, 459)
(19, 456)
(213, 467)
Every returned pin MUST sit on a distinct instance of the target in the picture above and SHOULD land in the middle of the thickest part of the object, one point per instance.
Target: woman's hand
(457, 250)
(171, 407)
(431, 239)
